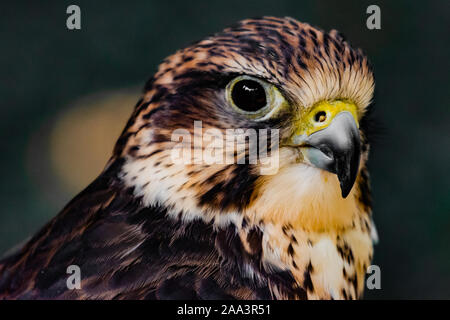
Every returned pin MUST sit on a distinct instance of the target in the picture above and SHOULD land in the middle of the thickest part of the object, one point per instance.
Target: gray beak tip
(338, 149)
(345, 188)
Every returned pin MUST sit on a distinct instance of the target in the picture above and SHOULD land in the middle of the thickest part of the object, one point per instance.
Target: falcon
(149, 227)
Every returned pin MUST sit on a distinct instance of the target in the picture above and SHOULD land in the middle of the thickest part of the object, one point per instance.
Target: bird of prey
(149, 227)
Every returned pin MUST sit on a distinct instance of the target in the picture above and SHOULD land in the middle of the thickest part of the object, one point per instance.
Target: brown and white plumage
(150, 228)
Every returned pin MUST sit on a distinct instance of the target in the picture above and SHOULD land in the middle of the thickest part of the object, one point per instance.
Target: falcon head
(255, 142)
(301, 93)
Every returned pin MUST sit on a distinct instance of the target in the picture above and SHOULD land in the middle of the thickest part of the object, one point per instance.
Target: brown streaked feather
(126, 251)
(149, 229)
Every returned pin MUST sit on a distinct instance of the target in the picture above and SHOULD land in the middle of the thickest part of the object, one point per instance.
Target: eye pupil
(249, 95)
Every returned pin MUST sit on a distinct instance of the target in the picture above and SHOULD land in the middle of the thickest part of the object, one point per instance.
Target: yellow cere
(321, 115)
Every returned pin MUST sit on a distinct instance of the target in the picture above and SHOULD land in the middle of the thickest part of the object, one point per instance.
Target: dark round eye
(249, 95)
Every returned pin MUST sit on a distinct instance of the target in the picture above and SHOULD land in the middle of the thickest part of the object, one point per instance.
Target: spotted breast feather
(284, 213)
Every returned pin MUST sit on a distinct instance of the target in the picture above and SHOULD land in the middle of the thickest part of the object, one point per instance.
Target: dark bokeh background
(54, 112)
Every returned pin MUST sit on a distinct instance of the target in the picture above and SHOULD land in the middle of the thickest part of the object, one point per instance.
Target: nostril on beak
(320, 116)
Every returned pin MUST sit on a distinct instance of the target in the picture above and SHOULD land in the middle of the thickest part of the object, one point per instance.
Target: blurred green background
(65, 96)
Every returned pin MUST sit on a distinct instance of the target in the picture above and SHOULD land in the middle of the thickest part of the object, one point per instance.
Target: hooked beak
(334, 144)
